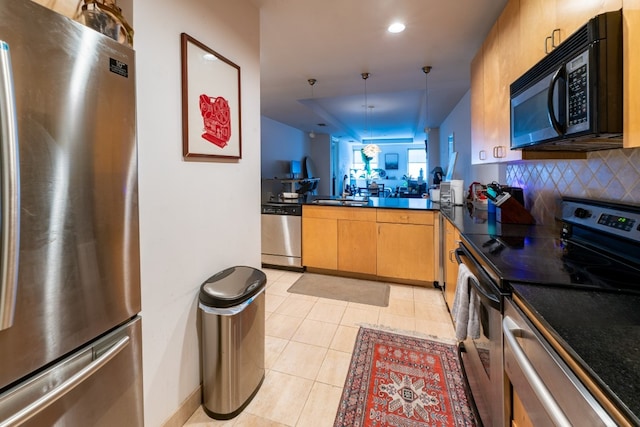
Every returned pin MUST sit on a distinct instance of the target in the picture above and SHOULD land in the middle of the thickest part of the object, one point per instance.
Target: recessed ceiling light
(397, 27)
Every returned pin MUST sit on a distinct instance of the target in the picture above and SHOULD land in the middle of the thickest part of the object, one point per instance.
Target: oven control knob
(582, 213)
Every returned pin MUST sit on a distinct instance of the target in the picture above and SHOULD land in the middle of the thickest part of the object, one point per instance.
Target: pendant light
(426, 69)
(312, 82)
(365, 76)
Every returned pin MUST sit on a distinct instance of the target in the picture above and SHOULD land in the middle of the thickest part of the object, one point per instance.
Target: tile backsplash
(609, 175)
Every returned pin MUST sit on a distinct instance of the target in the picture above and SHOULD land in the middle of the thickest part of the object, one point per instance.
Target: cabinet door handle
(546, 44)
(482, 155)
(553, 38)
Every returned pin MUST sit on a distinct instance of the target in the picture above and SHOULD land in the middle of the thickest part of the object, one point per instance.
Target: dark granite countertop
(600, 330)
(381, 202)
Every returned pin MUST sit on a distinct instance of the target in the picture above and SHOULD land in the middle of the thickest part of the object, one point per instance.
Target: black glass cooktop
(553, 262)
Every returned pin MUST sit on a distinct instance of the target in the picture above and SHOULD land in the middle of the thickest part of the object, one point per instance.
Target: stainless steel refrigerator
(70, 339)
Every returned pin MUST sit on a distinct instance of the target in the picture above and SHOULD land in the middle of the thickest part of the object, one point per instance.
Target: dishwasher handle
(509, 327)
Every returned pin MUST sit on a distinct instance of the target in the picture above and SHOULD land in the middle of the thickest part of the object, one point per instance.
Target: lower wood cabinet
(320, 242)
(357, 246)
(388, 243)
(405, 251)
(519, 416)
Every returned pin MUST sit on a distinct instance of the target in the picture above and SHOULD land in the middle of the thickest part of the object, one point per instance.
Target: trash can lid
(232, 286)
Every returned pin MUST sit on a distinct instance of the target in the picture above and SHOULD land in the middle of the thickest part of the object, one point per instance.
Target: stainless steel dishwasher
(282, 235)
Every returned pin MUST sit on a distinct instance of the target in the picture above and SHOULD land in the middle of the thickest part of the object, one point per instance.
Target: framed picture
(391, 161)
(210, 104)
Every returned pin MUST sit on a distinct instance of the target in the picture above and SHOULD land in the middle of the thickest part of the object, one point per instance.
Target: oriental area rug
(397, 380)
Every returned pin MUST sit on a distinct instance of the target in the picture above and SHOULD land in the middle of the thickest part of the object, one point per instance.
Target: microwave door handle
(557, 126)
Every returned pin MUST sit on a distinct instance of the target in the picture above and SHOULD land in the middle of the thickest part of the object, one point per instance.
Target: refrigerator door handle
(75, 380)
(10, 192)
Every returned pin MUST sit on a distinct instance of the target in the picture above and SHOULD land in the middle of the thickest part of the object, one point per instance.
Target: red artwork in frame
(210, 104)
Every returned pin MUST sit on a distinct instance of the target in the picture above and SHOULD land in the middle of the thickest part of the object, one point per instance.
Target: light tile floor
(308, 348)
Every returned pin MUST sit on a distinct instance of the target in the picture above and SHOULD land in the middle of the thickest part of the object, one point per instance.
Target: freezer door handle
(57, 393)
(10, 192)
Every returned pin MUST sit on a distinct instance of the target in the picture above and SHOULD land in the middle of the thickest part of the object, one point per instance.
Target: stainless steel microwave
(572, 99)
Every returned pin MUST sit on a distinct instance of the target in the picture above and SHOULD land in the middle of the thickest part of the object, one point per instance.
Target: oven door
(550, 392)
(482, 357)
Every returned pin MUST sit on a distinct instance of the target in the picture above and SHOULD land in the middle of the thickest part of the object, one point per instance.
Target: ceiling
(335, 41)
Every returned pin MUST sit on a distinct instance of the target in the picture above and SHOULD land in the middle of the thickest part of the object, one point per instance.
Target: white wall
(458, 123)
(321, 159)
(195, 218)
(279, 145)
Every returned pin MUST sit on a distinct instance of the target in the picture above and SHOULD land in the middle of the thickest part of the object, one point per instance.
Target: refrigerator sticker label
(118, 67)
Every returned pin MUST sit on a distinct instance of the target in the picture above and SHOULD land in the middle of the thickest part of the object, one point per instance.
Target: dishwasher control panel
(282, 209)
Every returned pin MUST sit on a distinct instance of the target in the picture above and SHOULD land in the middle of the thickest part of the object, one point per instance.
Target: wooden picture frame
(211, 122)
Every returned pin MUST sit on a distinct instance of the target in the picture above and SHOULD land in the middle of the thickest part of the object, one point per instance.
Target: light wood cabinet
(357, 245)
(406, 248)
(519, 416)
(451, 239)
(631, 34)
(387, 243)
(479, 154)
(406, 251)
(524, 31)
(573, 14)
(336, 238)
(320, 241)
(494, 68)
(537, 20)
(544, 24)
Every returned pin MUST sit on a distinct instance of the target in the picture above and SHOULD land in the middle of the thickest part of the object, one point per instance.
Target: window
(416, 162)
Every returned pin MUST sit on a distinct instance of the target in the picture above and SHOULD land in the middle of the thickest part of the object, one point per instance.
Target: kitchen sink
(360, 201)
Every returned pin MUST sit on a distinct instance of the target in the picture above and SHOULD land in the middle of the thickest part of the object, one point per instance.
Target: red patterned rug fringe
(403, 381)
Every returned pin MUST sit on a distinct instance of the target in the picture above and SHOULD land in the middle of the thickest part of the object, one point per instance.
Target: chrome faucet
(344, 186)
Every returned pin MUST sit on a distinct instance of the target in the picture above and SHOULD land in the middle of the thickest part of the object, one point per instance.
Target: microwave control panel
(577, 92)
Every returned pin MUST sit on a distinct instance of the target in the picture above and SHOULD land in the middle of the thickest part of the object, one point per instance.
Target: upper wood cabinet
(573, 14)
(631, 34)
(546, 23)
(496, 65)
(537, 20)
(518, 40)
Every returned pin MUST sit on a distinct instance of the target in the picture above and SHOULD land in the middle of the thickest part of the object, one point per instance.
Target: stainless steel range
(558, 368)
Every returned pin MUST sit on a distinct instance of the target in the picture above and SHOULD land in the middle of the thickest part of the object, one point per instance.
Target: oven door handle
(491, 299)
(510, 328)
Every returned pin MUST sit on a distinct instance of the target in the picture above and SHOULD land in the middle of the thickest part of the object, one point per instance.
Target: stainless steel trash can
(232, 309)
